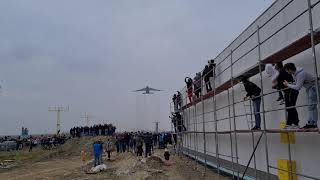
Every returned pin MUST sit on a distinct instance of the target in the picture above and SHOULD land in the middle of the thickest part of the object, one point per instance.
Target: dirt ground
(124, 166)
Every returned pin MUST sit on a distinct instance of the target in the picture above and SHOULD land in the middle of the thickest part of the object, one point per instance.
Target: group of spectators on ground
(95, 130)
(138, 143)
(142, 142)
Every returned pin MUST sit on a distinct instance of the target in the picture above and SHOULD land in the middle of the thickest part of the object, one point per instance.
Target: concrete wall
(305, 150)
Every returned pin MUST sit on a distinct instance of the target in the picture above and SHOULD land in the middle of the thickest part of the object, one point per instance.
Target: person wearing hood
(273, 74)
(306, 80)
(197, 85)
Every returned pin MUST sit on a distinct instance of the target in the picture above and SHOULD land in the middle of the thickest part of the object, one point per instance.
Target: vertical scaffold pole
(230, 135)
(234, 117)
(290, 158)
(314, 54)
(262, 100)
(195, 130)
(215, 120)
(204, 129)
(189, 124)
(252, 138)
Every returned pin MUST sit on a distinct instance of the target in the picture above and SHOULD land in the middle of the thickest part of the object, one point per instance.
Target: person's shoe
(295, 126)
(287, 127)
(256, 128)
(280, 98)
(309, 126)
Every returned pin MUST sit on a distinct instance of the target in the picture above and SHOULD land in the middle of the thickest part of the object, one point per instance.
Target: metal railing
(190, 110)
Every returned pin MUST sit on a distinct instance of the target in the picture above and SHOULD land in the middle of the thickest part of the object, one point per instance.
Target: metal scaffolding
(189, 109)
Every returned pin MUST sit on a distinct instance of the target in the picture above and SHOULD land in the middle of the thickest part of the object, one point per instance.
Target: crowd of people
(287, 79)
(95, 130)
(194, 85)
(177, 122)
(138, 143)
(142, 142)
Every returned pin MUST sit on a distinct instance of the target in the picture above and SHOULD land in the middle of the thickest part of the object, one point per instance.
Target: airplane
(147, 90)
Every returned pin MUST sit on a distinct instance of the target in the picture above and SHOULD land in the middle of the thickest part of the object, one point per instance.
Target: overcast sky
(90, 55)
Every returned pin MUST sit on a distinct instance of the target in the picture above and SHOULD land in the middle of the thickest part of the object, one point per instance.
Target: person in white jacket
(306, 80)
(273, 74)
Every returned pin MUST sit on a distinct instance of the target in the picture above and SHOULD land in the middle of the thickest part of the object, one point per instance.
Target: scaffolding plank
(315, 130)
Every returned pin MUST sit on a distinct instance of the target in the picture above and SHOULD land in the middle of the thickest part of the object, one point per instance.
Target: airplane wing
(152, 89)
(143, 89)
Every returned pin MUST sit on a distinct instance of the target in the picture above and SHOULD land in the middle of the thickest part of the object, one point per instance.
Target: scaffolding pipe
(314, 55)
(189, 115)
(253, 152)
(252, 138)
(215, 119)
(230, 135)
(204, 129)
(263, 107)
(234, 119)
(289, 154)
(195, 130)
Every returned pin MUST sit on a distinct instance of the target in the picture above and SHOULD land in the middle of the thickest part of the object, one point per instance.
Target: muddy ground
(64, 163)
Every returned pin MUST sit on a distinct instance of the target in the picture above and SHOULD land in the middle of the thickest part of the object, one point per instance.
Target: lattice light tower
(157, 127)
(87, 117)
(58, 110)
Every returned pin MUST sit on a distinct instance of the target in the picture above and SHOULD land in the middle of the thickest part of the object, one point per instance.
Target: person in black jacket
(253, 93)
(290, 96)
(175, 104)
(179, 100)
(197, 85)
(189, 83)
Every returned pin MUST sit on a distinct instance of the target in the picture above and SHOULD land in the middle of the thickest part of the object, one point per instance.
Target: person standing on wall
(207, 73)
(189, 83)
(273, 74)
(253, 93)
(290, 96)
(179, 100)
(197, 85)
(302, 78)
(175, 104)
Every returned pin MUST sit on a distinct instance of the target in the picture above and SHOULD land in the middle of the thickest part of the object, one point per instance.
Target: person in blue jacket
(97, 150)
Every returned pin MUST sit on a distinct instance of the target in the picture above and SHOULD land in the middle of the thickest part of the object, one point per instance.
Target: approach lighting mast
(58, 110)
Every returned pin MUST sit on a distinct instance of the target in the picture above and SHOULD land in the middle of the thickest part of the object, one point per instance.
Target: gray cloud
(91, 54)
